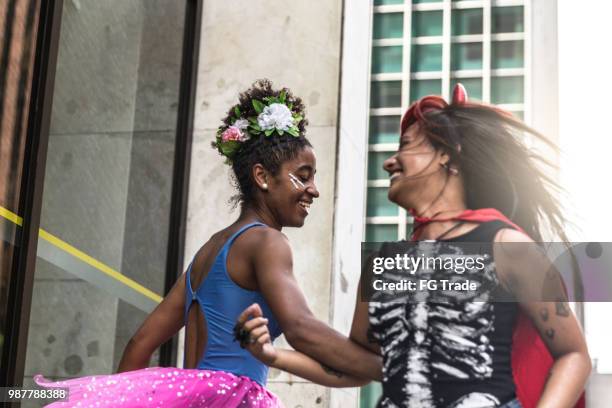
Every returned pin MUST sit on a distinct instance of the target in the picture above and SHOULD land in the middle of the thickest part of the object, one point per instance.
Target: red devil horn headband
(459, 94)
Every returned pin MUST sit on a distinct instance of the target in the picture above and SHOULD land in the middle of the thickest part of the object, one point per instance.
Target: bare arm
(158, 327)
(291, 361)
(274, 269)
(542, 297)
(360, 329)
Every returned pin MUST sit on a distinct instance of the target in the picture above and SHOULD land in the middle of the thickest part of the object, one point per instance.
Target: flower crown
(274, 114)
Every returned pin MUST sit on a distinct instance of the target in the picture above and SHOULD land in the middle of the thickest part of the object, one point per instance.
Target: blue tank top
(222, 301)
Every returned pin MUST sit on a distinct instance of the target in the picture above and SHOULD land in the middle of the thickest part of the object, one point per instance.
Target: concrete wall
(294, 44)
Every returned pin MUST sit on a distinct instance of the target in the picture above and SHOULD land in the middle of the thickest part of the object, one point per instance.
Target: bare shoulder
(509, 242)
(520, 263)
(511, 235)
(263, 241)
(270, 239)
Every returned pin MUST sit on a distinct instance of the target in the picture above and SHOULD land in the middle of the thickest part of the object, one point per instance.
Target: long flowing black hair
(499, 171)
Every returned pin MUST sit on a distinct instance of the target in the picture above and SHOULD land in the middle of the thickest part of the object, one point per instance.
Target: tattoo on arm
(544, 314)
(561, 308)
(331, 371)
(550, 333)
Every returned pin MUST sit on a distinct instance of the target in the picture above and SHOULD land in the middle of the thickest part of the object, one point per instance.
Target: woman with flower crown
(463, 172)
(250, 261)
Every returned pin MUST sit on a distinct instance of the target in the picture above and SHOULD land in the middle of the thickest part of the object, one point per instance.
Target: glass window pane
(507, 54)
(386, 94)
(467, 21)
(473, 86)
(384, 129)
(409, 229)
(507, 89)
(425, 1)
(386, 59)
(388, 25)
(466, 56)
(17, 52)
(507, 19)
(381, 232)
(108, 183)
(384, 2)
(370, 394)
(426, 23)
(423, 87)
(375, 165)
(426, 58)
(379, 204)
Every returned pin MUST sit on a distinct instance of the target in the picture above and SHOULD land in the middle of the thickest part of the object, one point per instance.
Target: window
(386, 59)
(109, 184)
(426, 23)
(15, 147)
(388, 25)
(467, 21)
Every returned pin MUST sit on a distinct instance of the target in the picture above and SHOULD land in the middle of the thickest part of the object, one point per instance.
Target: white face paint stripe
(296, 181)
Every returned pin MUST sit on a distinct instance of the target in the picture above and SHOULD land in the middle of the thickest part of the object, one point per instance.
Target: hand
(258, 342)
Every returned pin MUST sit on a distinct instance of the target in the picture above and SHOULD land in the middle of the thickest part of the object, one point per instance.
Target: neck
(250, 213)
(449, 203)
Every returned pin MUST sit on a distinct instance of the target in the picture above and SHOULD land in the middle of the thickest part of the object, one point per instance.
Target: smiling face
(414, 169)
(292, 190)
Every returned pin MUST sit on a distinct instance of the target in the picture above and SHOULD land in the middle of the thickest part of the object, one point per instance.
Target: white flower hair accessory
(274, 114)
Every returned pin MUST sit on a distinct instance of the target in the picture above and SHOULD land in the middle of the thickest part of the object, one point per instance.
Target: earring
(264, 186)
(451, 170)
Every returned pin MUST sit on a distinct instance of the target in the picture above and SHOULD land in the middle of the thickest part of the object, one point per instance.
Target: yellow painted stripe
(66, 247)
(11, 216)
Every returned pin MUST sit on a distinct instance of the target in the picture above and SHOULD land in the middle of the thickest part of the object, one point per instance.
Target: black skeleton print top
(450, 353)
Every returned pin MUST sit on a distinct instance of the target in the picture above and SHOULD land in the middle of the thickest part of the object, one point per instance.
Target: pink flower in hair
(233, 133)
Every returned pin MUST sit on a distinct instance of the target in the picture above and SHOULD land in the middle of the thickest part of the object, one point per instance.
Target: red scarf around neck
(531, 360)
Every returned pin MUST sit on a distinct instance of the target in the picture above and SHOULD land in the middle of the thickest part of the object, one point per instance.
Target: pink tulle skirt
(163, 387)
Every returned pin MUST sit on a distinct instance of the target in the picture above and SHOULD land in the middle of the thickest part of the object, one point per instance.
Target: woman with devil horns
(463, 173)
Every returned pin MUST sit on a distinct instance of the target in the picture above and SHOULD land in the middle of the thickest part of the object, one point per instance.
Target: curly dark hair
(269, 151)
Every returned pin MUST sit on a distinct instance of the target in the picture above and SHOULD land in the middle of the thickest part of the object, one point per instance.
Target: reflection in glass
(384, 129)
(388, 25)
(466, 21)
(108, 182)
(426, 23)
(378, 204)
(386, 59)
(386, 94)
(381, 232)
(507, 89)
(473, 86)
(375, 165)
(17, 48)
(426, 57)
(423, 87)
(507, 54)
(466, 56)
(507, 19)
